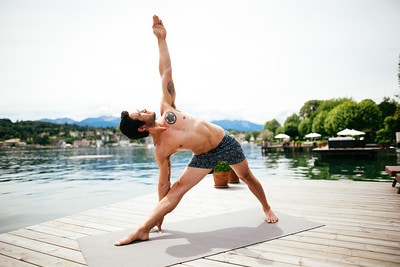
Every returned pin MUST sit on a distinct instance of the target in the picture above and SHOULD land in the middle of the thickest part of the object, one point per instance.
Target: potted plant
(223, 174)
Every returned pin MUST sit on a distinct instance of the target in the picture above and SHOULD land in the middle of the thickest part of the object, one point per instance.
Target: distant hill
(61, 121)
(109, 121)
(100, 122)
(239, 125)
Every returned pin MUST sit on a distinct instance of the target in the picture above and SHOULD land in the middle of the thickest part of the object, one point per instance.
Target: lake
(37, 185)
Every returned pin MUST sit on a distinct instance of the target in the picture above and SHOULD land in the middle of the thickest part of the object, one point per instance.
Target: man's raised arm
(164, 64)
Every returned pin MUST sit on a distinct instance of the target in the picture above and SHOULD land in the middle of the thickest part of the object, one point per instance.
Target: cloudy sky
(250, 59)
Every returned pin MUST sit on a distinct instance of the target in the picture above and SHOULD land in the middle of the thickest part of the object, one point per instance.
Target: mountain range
(109, 121)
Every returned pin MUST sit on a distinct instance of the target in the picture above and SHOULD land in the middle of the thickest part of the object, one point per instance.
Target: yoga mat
(191, 239)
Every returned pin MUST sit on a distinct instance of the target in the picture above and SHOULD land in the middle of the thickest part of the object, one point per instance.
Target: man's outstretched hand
(159, 225)
(158, 28)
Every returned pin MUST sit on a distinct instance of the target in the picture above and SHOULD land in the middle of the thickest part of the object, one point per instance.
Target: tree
(392, 124)
(272, 125)
(305, 126)
(309, 109)
(318, 123)
(387, 107)
(255, 134)
(369, 116)
(387, 134)
(43, 140)
(342, 116)
(291, 125)
(328, 105)
(280, 129)
(267, 135)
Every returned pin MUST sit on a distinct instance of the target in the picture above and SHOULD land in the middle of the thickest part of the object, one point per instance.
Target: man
(176, 131)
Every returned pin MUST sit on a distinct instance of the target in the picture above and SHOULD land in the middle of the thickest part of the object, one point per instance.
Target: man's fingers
(156, 20)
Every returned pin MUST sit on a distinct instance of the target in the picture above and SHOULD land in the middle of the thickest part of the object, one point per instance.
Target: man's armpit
(171, 88)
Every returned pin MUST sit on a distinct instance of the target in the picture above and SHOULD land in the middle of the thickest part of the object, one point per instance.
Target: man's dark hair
(129, 126)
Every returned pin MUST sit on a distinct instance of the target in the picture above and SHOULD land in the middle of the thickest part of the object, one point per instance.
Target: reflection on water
(43, 184)
(306, 166)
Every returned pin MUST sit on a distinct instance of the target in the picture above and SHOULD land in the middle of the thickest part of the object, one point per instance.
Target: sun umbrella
(282, 136)
(312, 135)
(351, 132)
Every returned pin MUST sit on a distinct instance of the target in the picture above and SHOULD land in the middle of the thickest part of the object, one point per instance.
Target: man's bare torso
(186, 132)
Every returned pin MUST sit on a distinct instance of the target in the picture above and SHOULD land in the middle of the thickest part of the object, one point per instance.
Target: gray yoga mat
(191, 239)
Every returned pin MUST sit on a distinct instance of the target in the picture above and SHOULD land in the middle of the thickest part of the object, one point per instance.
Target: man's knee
(247, 177)
(178, 188)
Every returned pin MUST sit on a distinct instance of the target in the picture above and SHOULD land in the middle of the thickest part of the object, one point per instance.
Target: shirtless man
(176, 131)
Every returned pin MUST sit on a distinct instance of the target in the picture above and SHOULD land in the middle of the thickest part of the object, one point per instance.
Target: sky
(254, 60)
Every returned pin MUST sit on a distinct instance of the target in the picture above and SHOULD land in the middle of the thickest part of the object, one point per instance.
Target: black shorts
(228, 150)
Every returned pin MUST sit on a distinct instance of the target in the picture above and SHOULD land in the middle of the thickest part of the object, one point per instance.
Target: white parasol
(312, 135)
(282, 136)
(351, 132)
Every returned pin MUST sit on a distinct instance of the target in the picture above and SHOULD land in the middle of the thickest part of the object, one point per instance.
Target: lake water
(38, 185)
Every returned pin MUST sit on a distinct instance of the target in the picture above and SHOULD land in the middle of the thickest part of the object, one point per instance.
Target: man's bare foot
(271, 217)
(137, 235)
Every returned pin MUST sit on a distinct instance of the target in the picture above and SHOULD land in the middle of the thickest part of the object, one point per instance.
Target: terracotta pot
(233, 179)
(221, 179)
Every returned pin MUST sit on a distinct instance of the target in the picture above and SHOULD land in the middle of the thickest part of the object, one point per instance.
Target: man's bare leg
(243, 171)
(190, 177)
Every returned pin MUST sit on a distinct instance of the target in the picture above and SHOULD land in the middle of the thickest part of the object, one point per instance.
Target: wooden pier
(362, 226)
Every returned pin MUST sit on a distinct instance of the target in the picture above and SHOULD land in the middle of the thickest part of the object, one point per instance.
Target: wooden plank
(11, 262)
(38, 246)
(49, 228)
(75, 229)
(362, 232)
(113, 219)
(47, 238)
(206, 263)
(78, 221)
(323, 257)
(244, 256)
(348, 249)
(18, 256)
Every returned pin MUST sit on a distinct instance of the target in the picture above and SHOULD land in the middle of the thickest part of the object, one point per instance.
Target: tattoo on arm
(171, 88)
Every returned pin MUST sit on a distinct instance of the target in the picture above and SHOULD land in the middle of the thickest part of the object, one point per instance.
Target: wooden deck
(362, 226)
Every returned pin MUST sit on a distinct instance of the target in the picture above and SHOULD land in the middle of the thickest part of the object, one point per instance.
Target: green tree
(387, 107)
(279, 130)
(309, 109)
(305, 127)
(318, 124)
(392, 124)
(342, 116)
(387, 134)
(43, 140)
(255, 134)
(291, 125)
(328, 105)
(272, 125)
(267, 135)
(369, 116)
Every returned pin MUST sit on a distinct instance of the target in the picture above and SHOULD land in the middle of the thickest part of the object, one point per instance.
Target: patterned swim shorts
(228, 150)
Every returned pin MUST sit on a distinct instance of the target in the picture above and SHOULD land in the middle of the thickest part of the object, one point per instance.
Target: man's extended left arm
(165, 68)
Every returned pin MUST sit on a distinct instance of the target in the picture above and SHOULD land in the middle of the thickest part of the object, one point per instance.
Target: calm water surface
(44, 184)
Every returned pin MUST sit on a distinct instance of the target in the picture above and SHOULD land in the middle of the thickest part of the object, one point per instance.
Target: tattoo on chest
(170, 117)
